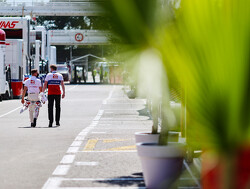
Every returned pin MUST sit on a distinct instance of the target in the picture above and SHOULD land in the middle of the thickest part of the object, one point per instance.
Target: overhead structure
(86, 56)
(77, 37)
(50, 8)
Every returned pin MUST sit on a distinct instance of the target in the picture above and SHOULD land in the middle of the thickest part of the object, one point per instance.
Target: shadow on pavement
(144, 112)
(138, 174)
(29, 127)
(135, 180)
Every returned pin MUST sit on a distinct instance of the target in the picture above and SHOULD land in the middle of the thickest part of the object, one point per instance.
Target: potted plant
(134, 22)
(150, 75)
(162, 160)
(206, 47)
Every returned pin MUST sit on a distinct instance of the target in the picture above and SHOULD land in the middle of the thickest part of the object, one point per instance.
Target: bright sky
(26, 1)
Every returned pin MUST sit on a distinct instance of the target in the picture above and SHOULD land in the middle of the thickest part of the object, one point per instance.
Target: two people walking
(53, 81)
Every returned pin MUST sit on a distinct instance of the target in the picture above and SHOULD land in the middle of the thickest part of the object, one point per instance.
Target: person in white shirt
(34, 86)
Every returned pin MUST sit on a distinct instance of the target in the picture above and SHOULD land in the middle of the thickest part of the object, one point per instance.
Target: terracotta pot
(213, 170)
(146, 137)
(161, 165)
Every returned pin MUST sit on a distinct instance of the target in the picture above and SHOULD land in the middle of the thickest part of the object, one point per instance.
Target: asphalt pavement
(28, 156)
(93, 148)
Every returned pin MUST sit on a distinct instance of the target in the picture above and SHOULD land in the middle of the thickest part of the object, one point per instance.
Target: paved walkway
(103, 155)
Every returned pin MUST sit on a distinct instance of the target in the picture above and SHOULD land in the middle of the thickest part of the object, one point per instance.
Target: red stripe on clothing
(54, 90)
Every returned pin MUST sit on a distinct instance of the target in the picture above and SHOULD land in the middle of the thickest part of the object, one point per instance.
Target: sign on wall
(79, 37)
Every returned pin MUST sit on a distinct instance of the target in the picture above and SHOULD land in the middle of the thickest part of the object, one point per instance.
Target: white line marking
(101, 111)
(98, 132)
(67, 159)
(73, 150)
(109, 97)
(79, 138)
(52, 183)
(83, 133)
(97, 118)
(105, 188)
(87, 129)
(72, 88)
(76, 143)
(100, 128)
(190, 172)
(61, 170)
(10, 111)
(111, 93)
(80, 163)
(107, 151)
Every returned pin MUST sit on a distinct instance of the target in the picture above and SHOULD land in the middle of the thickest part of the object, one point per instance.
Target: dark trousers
(51, 99)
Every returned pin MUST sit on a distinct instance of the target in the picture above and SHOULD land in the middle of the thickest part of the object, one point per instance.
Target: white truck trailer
(18, 28)
(52, 59)
(13, 58)
(4, 85)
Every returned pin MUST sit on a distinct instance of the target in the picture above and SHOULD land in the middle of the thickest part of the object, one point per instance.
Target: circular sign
(79, 37)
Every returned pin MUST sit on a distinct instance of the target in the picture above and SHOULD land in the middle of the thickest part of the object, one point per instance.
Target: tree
(63, 22)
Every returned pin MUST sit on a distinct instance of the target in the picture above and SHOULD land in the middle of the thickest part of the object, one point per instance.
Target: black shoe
(50, 124)
(57, 124)
(34, 124)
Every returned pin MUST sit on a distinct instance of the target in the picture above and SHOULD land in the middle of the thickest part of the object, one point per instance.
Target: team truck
(13, 58)
(17, 49)
(5, 92)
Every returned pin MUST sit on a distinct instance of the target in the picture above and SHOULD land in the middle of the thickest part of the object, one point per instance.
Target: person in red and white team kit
(34, 86)
(53, 80)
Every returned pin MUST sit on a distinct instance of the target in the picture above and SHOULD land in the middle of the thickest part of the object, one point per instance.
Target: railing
(50, 7)
(44, 2)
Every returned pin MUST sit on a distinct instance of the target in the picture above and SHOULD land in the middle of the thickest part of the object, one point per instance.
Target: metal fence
(50, 7)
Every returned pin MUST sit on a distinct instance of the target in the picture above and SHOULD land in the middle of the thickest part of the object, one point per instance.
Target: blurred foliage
(204, 47)
(132, 20)
(207, 48)
(74, 22)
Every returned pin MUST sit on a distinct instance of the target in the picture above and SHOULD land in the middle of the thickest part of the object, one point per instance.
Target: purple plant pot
(161, 165)
(146, 137)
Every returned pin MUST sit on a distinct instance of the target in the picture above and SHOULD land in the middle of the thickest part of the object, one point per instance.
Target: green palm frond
(205, 47)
